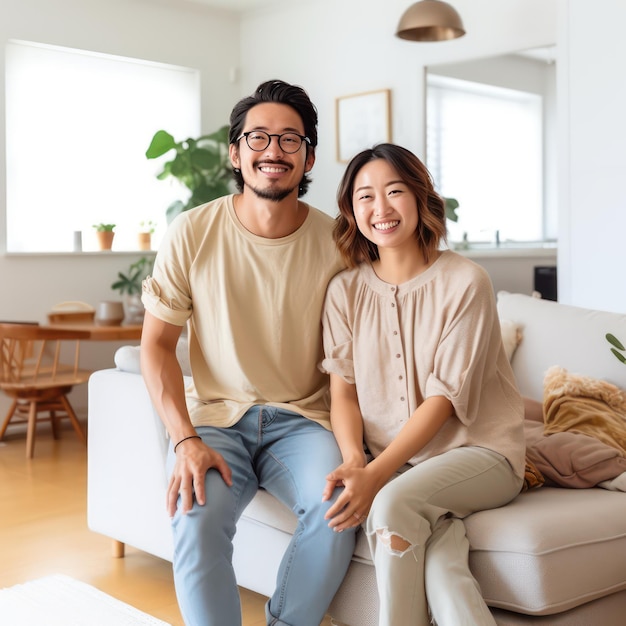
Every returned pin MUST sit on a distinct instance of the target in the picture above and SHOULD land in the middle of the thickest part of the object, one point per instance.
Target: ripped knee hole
(396, 543)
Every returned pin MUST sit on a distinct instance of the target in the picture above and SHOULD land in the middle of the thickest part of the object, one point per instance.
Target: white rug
(62, 601)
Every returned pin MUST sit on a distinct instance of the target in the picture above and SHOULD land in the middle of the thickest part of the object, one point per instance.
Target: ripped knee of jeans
(396, 544)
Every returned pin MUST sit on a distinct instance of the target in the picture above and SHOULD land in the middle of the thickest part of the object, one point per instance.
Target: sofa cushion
(572, 459)
(584, 404)
(126, 358)
(559, 334)
(550, 549)
(547, 551)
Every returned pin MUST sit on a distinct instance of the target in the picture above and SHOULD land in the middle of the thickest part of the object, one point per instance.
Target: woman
(418, 370)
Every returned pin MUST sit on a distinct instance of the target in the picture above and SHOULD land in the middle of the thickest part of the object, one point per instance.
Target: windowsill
(82, 253)
(506, 250)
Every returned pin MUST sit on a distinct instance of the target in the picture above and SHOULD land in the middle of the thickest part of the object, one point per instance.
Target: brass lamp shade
(430, 20)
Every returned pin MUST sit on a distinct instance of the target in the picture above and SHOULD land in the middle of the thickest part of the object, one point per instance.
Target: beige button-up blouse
(435, 335)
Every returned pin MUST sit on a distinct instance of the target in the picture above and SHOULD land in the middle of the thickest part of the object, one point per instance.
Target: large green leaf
(161, 143)
(205, 159)
(180, 166)
(208, 191)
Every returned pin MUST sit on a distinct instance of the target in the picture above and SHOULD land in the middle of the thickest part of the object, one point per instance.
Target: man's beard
(274, 195)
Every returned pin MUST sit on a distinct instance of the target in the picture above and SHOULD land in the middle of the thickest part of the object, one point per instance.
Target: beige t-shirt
(435, 335)
(254, 307)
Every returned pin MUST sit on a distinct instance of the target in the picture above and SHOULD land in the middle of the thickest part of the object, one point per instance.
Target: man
(248, 273)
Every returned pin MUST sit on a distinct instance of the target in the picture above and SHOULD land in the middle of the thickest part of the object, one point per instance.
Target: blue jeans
(289, 456)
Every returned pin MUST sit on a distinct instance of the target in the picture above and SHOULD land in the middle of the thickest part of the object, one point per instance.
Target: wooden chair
(34, 376)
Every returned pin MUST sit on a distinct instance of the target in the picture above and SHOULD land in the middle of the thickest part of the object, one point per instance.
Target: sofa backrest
(557, 334)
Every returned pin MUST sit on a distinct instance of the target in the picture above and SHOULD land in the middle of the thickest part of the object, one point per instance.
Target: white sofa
(553, 556)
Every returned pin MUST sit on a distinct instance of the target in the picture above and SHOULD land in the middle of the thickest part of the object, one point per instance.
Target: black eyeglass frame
(245, 135)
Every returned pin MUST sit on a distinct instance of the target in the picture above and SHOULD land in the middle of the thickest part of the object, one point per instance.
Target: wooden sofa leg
(117, 549)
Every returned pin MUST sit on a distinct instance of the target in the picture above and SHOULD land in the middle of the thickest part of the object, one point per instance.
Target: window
(78, 126)
(499, 132)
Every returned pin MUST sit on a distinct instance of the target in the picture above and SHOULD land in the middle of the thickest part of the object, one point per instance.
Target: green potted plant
(105, 234)
(129, 286)
(201, 164)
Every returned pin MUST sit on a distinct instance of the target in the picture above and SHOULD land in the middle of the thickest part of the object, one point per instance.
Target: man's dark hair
(282, 93)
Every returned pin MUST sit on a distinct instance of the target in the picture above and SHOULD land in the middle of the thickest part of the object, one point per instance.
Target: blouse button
(393, 304)
(402, 398)
(397, 356)
(395, 332)
(400, 377)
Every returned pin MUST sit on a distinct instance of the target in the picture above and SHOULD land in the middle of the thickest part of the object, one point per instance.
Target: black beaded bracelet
(185, 439)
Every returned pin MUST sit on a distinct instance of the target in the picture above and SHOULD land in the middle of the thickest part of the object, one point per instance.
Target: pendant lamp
(430, 20)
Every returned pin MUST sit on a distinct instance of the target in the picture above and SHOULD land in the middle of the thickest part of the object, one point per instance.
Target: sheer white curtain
(78, 126)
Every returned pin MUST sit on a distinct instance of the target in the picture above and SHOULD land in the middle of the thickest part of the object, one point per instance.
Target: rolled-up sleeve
(337, 336)
(166, 294)
(167, 309)
(339, 361)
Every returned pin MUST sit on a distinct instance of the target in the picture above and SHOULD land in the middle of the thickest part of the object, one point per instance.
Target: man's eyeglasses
(259, 140)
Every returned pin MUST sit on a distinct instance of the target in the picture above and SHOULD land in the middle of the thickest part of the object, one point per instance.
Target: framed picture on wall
(363, 119)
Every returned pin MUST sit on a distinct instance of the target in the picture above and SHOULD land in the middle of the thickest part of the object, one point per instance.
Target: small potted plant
(144, 236)
(105, 234)
(129, 286)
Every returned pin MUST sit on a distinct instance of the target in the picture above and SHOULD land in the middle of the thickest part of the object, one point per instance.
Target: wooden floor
(43, 531)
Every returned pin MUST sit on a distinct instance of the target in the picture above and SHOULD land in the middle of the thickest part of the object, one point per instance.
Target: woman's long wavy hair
(431, 216)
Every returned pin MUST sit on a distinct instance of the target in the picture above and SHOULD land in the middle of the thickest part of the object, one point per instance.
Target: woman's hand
(352, 506)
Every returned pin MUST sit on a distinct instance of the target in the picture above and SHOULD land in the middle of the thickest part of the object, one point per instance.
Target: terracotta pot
(144, 240)
(105, 239)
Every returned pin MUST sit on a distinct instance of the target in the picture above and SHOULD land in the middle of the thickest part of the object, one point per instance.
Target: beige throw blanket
(585, 405)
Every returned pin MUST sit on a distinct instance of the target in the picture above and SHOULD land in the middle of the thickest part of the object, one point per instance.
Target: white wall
(592, 244)
(348, 47)
(168, 32)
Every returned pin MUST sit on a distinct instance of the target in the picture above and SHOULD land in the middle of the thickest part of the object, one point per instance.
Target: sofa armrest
(126, 474)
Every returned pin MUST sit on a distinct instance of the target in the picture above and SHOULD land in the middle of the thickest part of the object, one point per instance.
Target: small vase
(133, 308)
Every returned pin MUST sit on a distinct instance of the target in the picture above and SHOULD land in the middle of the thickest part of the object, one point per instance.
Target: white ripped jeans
(417, 537)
